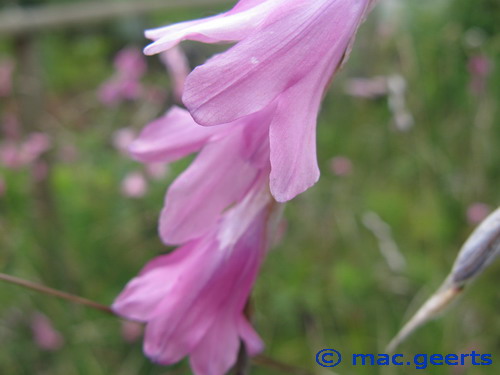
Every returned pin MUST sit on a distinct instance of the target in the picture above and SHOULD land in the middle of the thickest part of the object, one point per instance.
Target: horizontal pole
(22, 20)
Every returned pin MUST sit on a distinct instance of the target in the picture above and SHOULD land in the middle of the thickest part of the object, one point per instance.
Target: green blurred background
(417, 177)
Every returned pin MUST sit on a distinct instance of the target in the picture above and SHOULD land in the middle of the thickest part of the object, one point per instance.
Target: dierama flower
(285, 55)
(193, 299)
(259, 102)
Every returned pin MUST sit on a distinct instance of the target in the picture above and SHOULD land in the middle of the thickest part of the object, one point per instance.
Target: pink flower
(480, 68)
(285, 55)
(134, 185)
(341, 166)
(177, 64)
(16, 155)
(477, 212)
(131, 331)
(122, 138)
(193, 299)
(44, 333)
(125, 84)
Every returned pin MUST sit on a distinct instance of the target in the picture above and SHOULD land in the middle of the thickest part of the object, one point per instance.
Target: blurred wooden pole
(19, 20)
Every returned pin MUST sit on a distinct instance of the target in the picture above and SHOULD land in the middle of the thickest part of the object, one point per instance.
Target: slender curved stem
(56, 293)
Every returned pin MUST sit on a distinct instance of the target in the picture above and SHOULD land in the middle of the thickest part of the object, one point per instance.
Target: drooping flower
(193, 299)
(285, 56)
(263, 95)
(220, 211)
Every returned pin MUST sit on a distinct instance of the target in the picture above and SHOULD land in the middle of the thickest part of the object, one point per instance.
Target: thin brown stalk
(56, 293)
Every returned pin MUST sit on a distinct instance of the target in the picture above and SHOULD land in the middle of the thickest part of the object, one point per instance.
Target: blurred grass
(326, 284)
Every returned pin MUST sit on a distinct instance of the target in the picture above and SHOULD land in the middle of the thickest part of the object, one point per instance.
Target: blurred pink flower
(480, 68)
(44, 333)
(16, 155)
(130, 62)
(131, 331)
(177, 64)
(122, 138)
(477, 212)
(6, 72)
(157, 171)
(34, 146)
(134, 185)
(9, 155)
(341, 166)
(125, 84)
(193, 299)
(285, 55)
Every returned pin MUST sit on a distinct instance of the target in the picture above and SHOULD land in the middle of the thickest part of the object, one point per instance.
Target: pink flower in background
(477, 212)
(131, 63)
(131, 331)
(193, 299)
(480, 68)
(34, 146)
(19, 154)
(178, 66)
(134, 185)
(122, 138)
(125, 84)
(6, 72)
(157, 171)
(341, 166)
(285, 55)
(44, 333)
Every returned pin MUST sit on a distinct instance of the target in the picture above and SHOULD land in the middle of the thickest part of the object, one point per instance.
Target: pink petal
(218, 350)
(230, 26)
(170, 138)
(292, 42)
(218, 177)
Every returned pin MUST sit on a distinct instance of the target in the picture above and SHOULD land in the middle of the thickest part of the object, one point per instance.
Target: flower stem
(56, 293)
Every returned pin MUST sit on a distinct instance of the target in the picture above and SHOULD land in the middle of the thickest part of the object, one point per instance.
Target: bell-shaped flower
(285, 54)
(193, 299)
